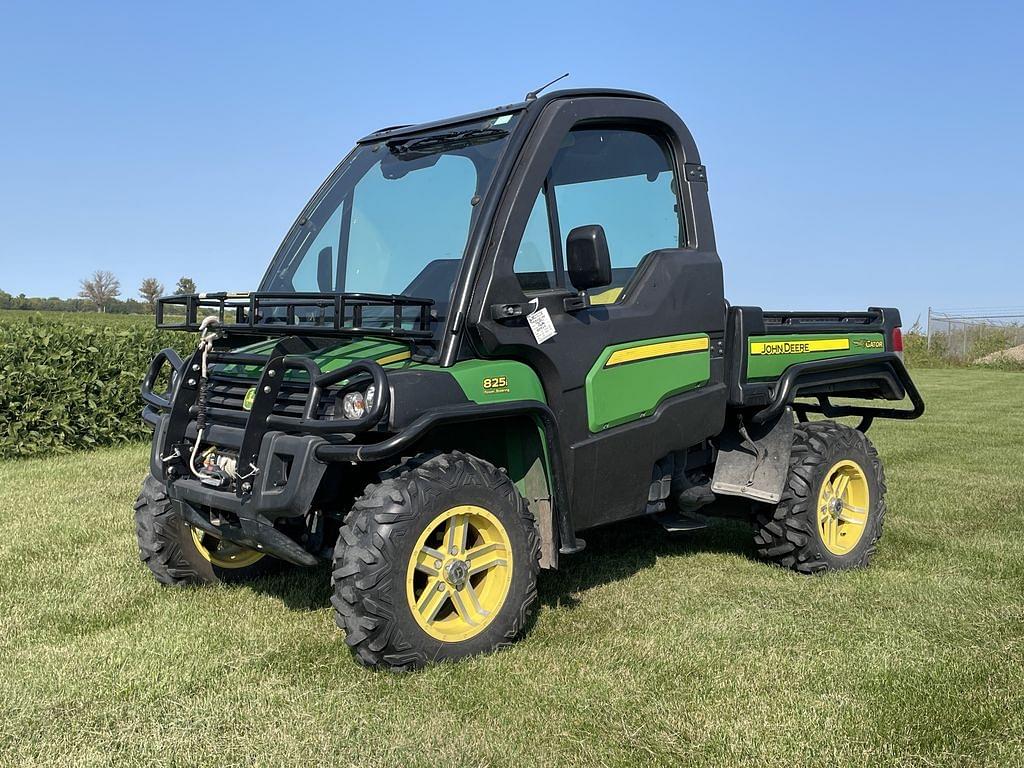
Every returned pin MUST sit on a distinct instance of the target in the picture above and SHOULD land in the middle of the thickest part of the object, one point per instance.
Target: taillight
(897, 340)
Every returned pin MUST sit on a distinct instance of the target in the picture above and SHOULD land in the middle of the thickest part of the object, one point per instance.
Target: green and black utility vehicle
(482, 337)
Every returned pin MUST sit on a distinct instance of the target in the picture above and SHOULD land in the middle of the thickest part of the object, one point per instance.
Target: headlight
(353, 405)
(356, 404)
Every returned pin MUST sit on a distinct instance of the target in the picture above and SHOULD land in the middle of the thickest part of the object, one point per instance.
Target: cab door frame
(673, 292)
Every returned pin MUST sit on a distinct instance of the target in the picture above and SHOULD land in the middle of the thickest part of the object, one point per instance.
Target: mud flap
(754, 461)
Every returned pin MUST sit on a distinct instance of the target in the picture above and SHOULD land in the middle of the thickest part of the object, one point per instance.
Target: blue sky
(858, 153)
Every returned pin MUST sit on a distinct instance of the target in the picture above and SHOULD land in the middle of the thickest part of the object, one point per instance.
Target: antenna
(533, 94)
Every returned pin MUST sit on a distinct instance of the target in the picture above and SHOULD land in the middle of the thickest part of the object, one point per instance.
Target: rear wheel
(438, 561)
(833, 506)
(178, 554)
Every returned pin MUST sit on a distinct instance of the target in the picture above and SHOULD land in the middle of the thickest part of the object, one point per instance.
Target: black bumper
(288, 480)
(278, 474)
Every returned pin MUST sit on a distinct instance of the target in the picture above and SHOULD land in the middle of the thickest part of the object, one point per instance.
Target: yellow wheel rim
(843, 504)
(224, 554)
(459, 573)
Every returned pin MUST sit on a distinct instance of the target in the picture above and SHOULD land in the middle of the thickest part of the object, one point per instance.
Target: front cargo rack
(275, 313)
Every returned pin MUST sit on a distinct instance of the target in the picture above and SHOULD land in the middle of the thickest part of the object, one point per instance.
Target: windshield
(395, 217)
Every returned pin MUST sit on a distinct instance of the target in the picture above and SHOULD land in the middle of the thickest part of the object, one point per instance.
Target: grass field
(648, 649)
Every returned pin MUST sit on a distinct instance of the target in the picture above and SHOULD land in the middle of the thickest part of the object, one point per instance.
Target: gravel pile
(1011, 355)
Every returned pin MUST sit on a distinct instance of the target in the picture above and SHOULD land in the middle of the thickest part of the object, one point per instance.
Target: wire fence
(976, 334)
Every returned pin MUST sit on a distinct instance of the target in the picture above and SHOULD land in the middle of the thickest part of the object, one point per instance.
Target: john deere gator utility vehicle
(482, 337)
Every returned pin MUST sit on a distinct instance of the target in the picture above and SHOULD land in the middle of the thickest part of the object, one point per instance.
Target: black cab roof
(537, 103)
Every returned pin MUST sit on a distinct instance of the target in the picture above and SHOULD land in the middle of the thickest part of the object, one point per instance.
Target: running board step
(673, 522)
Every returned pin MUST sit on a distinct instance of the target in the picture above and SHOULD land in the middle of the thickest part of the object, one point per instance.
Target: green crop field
(648, 649)
(90, 319)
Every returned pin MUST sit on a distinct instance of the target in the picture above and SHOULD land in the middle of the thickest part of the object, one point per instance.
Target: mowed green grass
(648, 649)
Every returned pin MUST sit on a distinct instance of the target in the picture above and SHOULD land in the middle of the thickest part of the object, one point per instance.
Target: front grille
(229, 394)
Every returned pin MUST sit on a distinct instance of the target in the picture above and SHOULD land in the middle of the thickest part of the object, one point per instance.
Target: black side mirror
(325, 271)
(586, 253)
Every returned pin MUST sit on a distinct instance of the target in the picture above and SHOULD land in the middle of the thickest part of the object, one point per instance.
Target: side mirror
(586, 254)
(325, 270)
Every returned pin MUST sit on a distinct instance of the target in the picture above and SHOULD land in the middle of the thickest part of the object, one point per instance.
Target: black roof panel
(539, 102)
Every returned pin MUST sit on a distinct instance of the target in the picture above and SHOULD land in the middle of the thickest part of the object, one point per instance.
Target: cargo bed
(803, 359)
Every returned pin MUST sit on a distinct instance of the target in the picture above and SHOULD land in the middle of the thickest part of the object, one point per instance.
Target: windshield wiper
(450, 140)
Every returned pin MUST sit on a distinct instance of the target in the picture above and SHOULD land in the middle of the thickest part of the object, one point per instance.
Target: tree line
(100, 292)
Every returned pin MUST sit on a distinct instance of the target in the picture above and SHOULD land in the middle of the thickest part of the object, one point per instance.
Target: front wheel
(438, 561)
(177, 554)
(833, 506)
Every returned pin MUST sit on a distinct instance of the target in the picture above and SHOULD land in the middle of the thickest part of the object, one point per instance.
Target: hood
(333, 355)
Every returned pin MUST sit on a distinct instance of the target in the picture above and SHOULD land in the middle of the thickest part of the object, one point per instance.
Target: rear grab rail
(886, 366)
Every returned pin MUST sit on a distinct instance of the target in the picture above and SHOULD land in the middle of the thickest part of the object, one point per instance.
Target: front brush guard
(286, 355)
(278, 473)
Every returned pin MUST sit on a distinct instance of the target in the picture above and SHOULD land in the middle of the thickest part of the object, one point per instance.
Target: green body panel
(523, 453)
(522, 449)
(629, 391)
(771, 366)
(482, 381)
(368, 349)
(497, 381)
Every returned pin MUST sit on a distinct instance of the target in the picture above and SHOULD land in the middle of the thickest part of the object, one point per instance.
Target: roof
(539, 102)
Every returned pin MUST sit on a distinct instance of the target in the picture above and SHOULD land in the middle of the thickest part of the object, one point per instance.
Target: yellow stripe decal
(397, 357)
(662, 349)
(798, 347)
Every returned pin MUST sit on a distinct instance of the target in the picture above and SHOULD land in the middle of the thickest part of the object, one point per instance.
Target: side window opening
(535, 263)
(622, 179)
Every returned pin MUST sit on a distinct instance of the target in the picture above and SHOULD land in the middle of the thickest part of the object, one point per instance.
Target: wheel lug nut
(437, 563)
(440, 587)
(453, 551)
